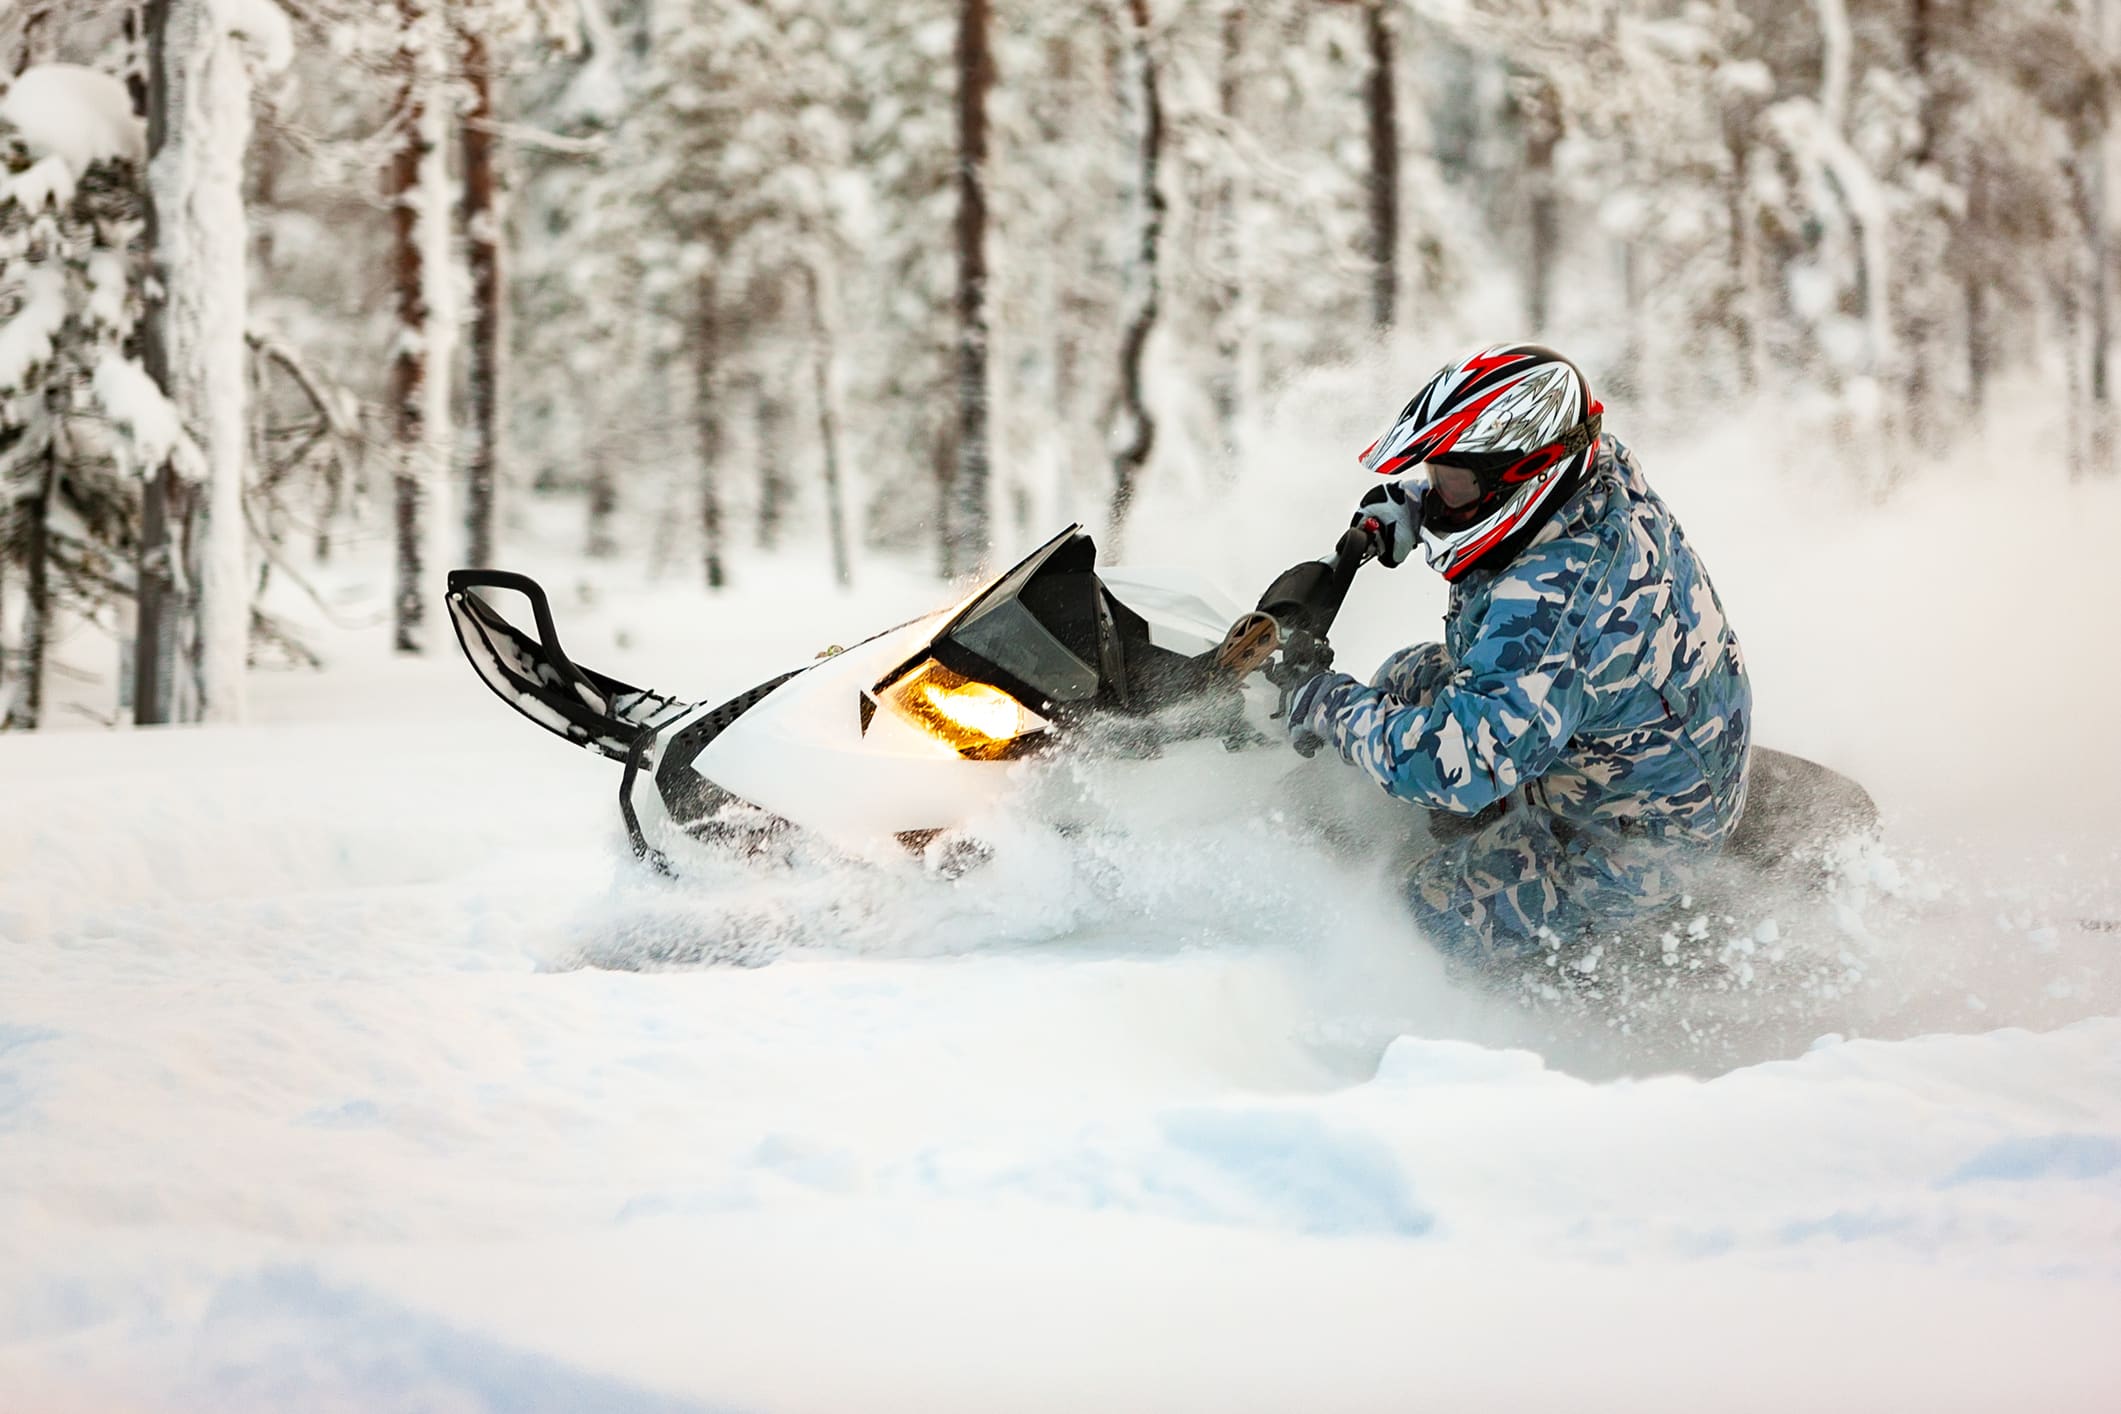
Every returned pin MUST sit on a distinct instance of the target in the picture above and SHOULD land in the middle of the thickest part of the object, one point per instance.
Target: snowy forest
(284, 282)
(1692, 984)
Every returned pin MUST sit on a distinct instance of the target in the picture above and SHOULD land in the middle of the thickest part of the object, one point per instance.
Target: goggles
(1470, 484)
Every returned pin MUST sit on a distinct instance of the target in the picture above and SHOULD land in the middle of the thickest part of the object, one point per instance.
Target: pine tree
(80, 420)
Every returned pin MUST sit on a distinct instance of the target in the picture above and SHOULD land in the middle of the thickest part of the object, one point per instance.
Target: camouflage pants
(1526, 881)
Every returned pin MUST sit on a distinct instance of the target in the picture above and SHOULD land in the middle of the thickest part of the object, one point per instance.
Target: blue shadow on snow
(1309, 1176)
(14, 1090)
(2069, 1156)
(283, 1339)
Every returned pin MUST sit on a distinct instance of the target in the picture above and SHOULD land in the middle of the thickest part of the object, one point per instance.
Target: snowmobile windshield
(1040, 630)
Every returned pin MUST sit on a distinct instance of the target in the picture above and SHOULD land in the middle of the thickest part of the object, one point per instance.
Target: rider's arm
(1414, 674)
(1507, 710)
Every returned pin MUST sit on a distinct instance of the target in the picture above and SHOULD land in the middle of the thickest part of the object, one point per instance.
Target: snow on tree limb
(28, 338)
(137, 406)
(47, 185)
(263, 29)
(80, 115)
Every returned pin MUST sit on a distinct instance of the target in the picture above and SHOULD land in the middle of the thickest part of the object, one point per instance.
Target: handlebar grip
(1356, 547)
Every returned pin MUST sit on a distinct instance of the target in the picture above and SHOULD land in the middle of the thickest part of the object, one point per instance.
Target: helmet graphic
(1507, 435)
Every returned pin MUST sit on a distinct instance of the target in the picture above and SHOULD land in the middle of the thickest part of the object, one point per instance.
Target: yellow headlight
(976, 720)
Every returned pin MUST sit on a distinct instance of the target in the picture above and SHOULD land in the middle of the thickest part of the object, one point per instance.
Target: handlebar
(1297, 611)
(1309, 596)
(1357, 547)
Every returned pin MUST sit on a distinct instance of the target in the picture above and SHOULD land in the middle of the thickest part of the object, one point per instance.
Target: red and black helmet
(1507, 435)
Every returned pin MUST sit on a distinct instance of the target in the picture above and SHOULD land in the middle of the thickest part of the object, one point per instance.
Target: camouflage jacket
(1594, 672)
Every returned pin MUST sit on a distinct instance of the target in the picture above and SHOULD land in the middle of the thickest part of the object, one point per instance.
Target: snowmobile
(899, 741)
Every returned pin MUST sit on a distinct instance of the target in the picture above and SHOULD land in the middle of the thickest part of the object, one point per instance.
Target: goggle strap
(1585, 432)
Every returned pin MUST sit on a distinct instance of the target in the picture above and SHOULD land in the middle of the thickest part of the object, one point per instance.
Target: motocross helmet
(1507, 435)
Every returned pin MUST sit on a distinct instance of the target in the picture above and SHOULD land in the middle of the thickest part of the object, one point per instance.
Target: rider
(1588, 704)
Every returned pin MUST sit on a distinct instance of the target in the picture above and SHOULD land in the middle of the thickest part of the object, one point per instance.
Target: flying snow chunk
(76, 114)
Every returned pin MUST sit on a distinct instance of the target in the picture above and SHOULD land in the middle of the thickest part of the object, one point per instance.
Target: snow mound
(75, 113)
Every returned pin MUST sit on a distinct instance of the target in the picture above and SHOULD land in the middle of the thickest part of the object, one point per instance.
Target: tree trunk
(826, 392)
(27, 709)
(601, 541)
(162, 498)
(438, 275)
(2098, 260)
(706, 418)
(601, 544)
(7, 535)
(334, 498)
(2067, 285)
(217, 405)
(1923, 312)
(1866, 209)
(2099, 278)
(1542, 120)
(1921, 38)
(1630, 379)
(944, 455)
(408, 368)
(1920, 51)
(138, 61)
(482, 243)
(1226, 385)
(202, 622)
(1744, 317)
(965, 528)
(1977, 344)
(1836, 44)
(770, 424)
(1380, 100)
(1132, 453)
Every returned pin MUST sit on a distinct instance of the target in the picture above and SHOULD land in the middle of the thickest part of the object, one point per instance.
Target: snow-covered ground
(346, 1063)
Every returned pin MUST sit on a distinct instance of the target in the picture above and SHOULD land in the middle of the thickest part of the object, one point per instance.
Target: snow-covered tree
(1135, 433)
(204, 53)
(483, 32)
(80, 420)
(741, 299)
(416, 184)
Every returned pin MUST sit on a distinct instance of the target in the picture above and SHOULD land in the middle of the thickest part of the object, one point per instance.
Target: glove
(1298, 710)
(1392, 515)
